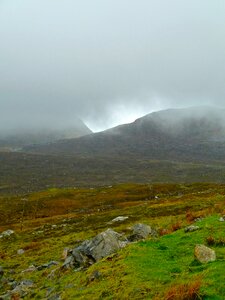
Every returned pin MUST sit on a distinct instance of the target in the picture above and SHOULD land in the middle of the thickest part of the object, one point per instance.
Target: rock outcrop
(102, 245)
(91, 251)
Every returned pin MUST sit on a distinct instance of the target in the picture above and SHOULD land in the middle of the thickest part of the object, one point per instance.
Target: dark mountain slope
(178, 134)
(169, 146)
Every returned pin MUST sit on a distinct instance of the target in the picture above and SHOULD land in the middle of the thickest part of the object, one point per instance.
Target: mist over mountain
(178, 134)
(174, 145)
(20, 137)
(106, 60)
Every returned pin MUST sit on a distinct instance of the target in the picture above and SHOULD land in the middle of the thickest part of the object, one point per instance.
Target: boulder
(191, 228)
(140, 232)
(221, 219)
(204, 254)
(102, 245)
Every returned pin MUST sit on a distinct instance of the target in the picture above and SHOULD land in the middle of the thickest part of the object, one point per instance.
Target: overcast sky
(108, 61)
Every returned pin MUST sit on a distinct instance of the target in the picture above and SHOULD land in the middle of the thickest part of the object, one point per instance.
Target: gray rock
(221, 219)
(140, 232)
(69, 262)
(82, 254)
(47, 265)
(20, 289)
(6, 234)
(191, 228)
(20, 251)
(90, 251)
(95, 275)
(198, 219)
(30, 269)
(119, 219)
(204, 254)
(27, 282)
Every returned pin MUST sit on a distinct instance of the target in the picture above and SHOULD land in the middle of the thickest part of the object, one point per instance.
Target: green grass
(150, 269)
(170, 259)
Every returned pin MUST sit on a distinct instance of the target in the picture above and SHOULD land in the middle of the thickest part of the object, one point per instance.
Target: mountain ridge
(173, 133)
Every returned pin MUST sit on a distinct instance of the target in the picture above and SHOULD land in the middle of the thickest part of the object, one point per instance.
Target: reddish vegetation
(176, 226)
(163, 231)
(186, 291)
(32, 246)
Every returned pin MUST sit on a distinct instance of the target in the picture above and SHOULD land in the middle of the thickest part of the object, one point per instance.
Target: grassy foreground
(47, 222)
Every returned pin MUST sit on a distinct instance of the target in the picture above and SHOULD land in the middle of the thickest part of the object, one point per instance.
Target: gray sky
(108, 61)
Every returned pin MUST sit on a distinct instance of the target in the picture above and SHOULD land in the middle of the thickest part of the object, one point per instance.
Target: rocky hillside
(117, 242)
(174, 134)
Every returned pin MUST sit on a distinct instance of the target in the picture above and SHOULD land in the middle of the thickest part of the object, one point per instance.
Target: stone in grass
(20, 251)
(47, 265)
(204, 254)
(191, 228)
(91, 251)
(104, 244)
(140, 232)
(95, 275)
(30, 269)
(221, 219)
(20, 290)
(119, 219)
(7, 234)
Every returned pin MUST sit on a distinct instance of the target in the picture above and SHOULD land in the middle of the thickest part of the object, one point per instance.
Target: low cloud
(107, 62)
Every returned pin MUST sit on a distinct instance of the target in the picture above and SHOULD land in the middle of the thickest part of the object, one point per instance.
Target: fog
(107, 62)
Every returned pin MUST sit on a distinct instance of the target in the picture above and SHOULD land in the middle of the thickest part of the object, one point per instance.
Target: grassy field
(47, 222)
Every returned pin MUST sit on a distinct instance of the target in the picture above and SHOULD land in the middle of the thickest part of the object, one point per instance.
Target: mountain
(175, 145)
(196, 133)
(22, 137)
